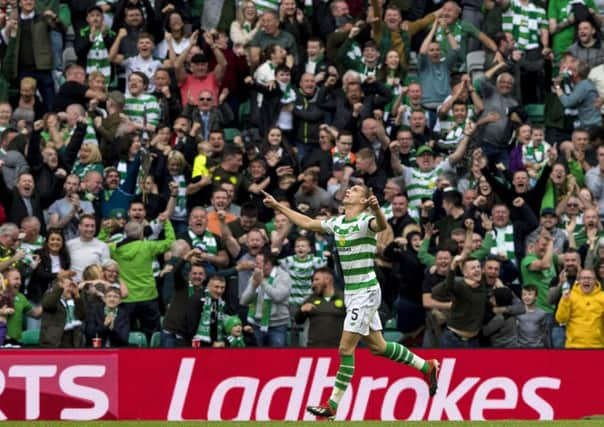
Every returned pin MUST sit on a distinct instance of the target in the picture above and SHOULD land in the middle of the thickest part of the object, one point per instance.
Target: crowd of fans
(138, 139)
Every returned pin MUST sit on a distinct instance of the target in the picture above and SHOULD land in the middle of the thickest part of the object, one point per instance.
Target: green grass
(514, 423)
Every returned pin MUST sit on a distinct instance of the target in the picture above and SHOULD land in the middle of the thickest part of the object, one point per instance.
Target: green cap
(422, 150)
(117, 214)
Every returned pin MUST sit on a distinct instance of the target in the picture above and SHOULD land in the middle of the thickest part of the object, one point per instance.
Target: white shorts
(362, 311)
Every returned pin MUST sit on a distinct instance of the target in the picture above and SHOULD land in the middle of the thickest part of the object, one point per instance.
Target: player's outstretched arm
(296, 217)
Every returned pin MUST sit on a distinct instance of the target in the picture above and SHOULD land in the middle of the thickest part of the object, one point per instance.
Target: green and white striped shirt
(98, 55)
(301, 271)
(356, 246)
(524, 22)
(263, 5)
(422, 184)
(144, 106)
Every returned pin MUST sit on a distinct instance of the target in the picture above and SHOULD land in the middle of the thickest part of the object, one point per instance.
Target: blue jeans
(56, 40)
(496, 154)
(168, 340)
(46, 85)
(555, 334)
(274, 337)
(410, 315)
(304, 150)
(449, 339)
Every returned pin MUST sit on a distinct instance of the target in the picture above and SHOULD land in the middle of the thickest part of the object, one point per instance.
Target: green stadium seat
(30, 337)
(390, 324)
(137, 339)
(394, 336)
(155, 339)
(535, 113)
(230, 134)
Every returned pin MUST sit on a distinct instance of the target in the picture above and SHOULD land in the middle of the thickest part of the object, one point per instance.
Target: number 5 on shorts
(354, 313)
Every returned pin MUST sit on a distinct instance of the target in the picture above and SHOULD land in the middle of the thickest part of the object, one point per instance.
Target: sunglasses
(205, 99)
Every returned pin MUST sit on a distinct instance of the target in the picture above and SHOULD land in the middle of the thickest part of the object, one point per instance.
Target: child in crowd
(501, 328)
(455, 134)
(534, 154)
(234, 332)
(531, 324)
(300, 268)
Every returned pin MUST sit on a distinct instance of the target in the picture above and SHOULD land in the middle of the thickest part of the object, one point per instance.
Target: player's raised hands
(373, 202)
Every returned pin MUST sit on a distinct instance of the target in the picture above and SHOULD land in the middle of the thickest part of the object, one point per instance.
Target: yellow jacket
(584, 317)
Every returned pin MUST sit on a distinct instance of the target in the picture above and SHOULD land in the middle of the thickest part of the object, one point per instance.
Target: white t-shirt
(83, 254)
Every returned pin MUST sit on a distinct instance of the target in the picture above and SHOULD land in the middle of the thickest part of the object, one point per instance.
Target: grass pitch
(512, 423)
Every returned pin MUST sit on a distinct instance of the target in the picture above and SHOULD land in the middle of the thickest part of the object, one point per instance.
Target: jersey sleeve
(327, 224)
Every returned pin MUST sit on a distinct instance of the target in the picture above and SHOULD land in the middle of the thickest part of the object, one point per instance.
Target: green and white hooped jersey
(301, 271)
(356, 246)
(422, 184)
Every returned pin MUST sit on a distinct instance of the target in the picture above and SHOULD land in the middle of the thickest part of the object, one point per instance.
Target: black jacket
(42, 277)
(95, 327)
(307, 118)
(175, 321)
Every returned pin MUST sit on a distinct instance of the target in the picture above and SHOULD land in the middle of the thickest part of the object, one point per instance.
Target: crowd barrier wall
(262, 384)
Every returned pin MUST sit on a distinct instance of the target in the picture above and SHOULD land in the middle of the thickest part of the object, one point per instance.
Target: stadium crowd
(138, 139)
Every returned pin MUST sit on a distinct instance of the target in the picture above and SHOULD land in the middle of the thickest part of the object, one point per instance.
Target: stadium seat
(535, 113)
(394, 336)
(390, 324)
(475, 64)
(31, 337)
(155, 339)
(230, 134)
(137, 339)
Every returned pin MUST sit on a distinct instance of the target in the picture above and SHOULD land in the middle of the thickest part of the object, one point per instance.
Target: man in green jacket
(135, 256)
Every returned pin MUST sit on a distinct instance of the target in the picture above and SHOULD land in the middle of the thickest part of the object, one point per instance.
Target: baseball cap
(548, 211)
(117, 214)
(94, 7)
(339, 166)
(422, 150)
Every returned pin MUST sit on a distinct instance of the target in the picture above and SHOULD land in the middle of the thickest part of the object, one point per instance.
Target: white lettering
(481, 399)
(97, 397)
(319, 383)
(250, 388)
(32, 375)
(532, 399)
(2, 385)
(445, 402)
(421, 398)
(366, 386)
(179, 394)
(296, 383)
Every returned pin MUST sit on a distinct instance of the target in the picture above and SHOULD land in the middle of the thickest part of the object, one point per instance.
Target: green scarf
(203, 329)
(70, 320)
(289, 94)
(267, 306)
(236, 341)
(109, 311)
(504, 241)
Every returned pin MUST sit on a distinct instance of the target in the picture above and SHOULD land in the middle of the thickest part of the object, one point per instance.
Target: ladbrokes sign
(279, 384)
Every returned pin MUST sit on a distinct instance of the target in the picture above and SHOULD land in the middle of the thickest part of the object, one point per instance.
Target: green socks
(343, 377)
(400, 353)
